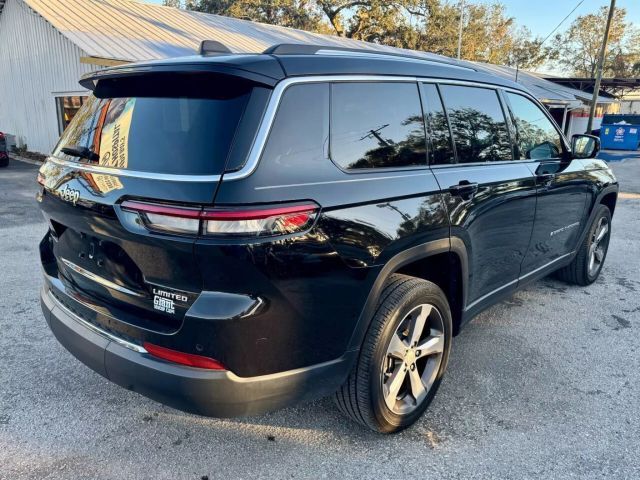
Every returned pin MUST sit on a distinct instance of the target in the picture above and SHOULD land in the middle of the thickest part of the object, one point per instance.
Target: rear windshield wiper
(81, 152)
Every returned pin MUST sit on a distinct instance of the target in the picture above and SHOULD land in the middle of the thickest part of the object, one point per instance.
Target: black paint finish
(275, 304)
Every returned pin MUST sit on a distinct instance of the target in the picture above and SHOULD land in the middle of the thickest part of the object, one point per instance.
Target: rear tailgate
(165, 144)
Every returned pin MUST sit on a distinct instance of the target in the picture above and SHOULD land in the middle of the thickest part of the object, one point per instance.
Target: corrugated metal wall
(36, 62)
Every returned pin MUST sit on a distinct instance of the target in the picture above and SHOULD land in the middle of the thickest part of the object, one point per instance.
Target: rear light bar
(188, 359)
(248, 221)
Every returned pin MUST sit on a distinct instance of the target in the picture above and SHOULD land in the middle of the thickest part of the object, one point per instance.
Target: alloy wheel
(598, 247)
(413, 359)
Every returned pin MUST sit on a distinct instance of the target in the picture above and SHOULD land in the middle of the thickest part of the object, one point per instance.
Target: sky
(542, 16)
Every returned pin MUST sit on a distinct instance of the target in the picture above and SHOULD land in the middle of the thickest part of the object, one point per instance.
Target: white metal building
(46, 45)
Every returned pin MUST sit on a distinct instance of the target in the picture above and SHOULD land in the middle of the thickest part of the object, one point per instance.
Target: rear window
(174, 130)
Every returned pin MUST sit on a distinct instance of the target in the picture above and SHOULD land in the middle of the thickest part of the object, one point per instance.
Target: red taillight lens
(164, 218)
(268, 221)
(182, 358)
(254, 221)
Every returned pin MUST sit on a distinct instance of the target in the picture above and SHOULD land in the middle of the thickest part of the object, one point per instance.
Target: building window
(67, 107)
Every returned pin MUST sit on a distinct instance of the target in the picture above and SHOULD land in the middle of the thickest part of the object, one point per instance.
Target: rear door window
(536, 136)
(376, 125)
(478, 124)
(184, 132)
(440, 146)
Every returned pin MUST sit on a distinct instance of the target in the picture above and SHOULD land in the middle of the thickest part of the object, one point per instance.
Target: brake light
(269, 221)
(250, 221)
(188, 359)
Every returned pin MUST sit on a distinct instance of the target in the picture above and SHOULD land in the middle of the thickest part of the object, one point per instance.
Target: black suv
(234, 233)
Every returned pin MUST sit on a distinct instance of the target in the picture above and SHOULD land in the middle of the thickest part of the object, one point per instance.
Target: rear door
(163, 142)
(562, 184)
(490, 198)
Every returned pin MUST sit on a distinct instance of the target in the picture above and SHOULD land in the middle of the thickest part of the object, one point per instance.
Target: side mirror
(585, 146)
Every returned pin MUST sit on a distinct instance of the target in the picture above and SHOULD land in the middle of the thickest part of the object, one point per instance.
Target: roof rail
(309, 49)
(212, 46)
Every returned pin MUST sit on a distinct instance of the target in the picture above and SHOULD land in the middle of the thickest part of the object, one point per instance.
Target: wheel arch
(443, 262)
(609, 199)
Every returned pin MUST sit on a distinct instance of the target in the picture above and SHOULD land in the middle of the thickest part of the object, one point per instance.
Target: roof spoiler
(265, 77)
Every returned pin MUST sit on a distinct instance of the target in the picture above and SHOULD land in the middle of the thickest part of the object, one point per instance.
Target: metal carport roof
(125, 30)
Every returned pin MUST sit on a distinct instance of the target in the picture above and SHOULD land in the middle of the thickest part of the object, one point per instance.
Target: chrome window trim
(266, 123)
(118, 172)
(274, 102)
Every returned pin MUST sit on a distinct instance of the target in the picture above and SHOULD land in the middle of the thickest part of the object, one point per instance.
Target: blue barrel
(620, 136)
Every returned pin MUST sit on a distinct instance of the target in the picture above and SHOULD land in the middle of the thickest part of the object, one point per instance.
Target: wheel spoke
(592, 261)
(599, 254)
(431, 346)
(417, 387)
(395, 382)
(397, 347)
(603, 231)
(418, 324)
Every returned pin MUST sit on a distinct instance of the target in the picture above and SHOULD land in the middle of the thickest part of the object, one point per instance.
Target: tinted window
(536, 137)
(300, 134)
(376, 125)
(440, 149)
(478, 124)
(182, 135)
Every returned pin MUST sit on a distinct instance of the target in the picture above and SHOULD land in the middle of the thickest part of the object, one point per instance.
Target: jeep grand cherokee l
(233, 233)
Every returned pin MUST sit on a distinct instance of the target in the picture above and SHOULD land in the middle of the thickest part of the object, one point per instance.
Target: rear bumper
(211, 393)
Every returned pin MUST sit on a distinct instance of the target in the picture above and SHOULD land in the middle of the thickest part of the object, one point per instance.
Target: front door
(561, 182)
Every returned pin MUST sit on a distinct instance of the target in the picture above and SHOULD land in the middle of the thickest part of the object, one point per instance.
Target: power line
(563, 20)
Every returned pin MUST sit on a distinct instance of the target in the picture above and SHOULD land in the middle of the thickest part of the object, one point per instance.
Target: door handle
(464, 189)
(545, 178)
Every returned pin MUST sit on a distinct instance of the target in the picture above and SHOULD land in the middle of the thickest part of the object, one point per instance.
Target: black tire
(578, 271)
(361, 397)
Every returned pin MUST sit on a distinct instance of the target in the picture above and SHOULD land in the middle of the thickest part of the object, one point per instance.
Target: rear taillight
(249, 221)
(165, 218)
(182, 358)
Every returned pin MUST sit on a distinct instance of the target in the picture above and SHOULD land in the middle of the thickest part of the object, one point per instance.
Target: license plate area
(98, 265)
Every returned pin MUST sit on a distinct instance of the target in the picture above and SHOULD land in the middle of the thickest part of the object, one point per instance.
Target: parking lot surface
(543, 385)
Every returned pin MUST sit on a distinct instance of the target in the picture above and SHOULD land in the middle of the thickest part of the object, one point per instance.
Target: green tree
(301, 14)
(489, 35)
(578, 47)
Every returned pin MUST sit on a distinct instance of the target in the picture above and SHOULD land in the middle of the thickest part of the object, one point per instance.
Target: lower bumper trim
(200, 391)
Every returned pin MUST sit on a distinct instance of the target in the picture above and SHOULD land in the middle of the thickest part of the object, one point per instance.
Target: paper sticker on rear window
(114, 140)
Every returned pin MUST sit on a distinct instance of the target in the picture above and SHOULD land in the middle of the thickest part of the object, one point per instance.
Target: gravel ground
(543, 385)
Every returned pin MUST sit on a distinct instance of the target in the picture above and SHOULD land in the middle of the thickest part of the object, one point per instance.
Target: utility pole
(460, 28)
(603, 51)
